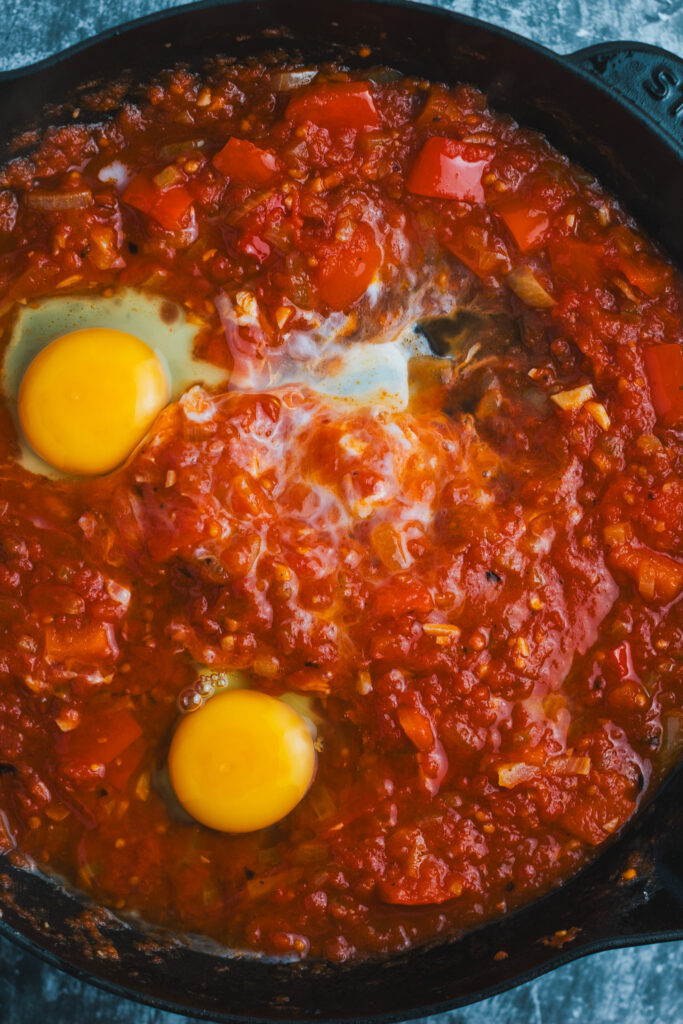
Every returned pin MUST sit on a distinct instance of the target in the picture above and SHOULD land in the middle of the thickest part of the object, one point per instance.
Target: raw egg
(160, 325)
(242, 761)
(89, 397)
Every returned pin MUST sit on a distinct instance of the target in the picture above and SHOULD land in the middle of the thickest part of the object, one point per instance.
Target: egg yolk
(89, 397)
(242, 761)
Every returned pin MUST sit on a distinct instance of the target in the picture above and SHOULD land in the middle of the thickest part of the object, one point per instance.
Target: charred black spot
(493, 577)
(8, 769)
(446, 333)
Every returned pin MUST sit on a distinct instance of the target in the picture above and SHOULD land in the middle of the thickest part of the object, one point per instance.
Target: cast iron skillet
(618, 109)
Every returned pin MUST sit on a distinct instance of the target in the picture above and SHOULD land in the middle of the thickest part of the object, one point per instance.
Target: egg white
(373, 373)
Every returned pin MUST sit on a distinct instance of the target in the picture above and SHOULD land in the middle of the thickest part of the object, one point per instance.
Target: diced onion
(239, 213)
(617, 533)
(104, 252)
(322, 801)
(599, 414)
(383, 76)
(646, 576)
(567, 764)
(170, 175)
(257, 888)
(117, 173)
(312, 853)
(511, 775)
(174, 149)
(528, 288)
(389, 547)
(285, 81)
(574, 398)
(7, 838)
(441, 629)
(41, 199)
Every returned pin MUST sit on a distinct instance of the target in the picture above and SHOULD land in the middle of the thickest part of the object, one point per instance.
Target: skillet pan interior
(596, 909)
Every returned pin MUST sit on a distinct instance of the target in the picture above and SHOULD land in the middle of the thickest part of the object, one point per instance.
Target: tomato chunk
(246, 164)
(335, 105)
(664, 366)
(402, 596)
(448, 169)
(527, 224)
(578, 262)
(346, 269)
(658, 577)
(123, 765)
(417, 876)
(167, 206)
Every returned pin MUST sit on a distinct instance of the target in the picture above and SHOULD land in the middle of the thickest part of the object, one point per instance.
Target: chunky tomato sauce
(478, 595)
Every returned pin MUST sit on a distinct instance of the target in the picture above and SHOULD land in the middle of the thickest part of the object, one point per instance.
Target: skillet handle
(647, 77)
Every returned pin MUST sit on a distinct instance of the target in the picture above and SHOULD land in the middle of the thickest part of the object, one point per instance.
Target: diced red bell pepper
(100, 739)
(646, 273)
(93, 642)
(527, 224)
(167, 206)
(246, 164)
(622, 658)
(347, 268)
(142, 193)
(664, 366)
(335, 105)
(448, 169)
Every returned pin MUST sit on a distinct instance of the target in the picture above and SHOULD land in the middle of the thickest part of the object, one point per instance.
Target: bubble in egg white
(141, 315)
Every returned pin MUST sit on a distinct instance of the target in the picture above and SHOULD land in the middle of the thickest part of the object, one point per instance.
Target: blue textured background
(630, 986)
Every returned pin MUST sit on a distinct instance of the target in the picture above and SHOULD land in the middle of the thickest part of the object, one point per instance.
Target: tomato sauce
(479, 595)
